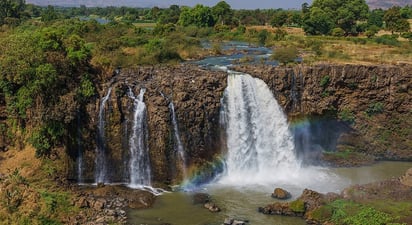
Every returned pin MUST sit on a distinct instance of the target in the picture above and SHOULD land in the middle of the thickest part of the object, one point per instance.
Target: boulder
(212, 207)
(280, 193)
(228, 221)
(231, 221)
(238, 222)
(407, 178)
(82, 203)
(99, 204)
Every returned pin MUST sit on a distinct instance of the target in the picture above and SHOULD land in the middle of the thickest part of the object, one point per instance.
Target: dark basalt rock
(196, 95)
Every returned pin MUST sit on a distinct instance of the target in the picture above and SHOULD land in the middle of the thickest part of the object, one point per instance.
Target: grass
(344, 50)
(29, 194)
(347, 212)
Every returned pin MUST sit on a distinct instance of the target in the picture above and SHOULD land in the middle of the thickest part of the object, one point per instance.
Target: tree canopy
(11, 11)
(394, 21)
(324, 15)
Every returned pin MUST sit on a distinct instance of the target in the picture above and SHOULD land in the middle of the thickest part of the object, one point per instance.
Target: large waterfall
(139, 163)
(259, 144)
(101, 161)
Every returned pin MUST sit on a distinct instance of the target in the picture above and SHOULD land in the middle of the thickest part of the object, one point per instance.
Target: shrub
(369, 216)
(338, 32)
(280, 34)
(324, 82)
(297, 206)
(407, 35)
(285, 55)
(346, 115)
(374, 108)
(372, 30)
(387, 40)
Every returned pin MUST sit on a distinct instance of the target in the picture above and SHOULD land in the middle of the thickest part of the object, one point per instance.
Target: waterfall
(80, 162)
(139, 163)
(101, 161)
(178, 146)
(259, 143)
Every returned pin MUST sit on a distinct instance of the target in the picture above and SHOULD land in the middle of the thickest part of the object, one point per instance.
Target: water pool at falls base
(242, 202)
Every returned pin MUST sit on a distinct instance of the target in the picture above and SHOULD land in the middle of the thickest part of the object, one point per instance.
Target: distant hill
(385, 4)
(373, 4)
(94, 3)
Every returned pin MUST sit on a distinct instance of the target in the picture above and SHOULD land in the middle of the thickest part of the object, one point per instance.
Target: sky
(235, 4)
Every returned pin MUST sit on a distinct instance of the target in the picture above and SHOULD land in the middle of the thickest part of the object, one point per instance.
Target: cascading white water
(260, 145)
(101, 162)
(139, 163)
(79, 161)
(178, 143)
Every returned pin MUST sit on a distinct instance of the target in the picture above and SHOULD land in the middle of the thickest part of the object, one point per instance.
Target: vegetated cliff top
(385, 4)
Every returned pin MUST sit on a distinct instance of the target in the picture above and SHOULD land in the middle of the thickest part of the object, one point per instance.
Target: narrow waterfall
(178, 146)
(101, 161)
(139, 163)
(79, 160)
(259, 143)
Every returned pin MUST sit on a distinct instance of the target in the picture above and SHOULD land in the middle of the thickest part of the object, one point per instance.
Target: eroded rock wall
(196, 95)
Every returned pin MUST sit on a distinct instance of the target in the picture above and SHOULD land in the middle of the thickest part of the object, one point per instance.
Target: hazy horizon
(257, 4)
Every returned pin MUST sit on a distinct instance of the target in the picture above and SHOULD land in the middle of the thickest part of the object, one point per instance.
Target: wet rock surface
(281, 194)
(233, 221)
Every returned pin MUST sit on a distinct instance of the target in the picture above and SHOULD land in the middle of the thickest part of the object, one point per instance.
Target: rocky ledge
(379, 199)
(108, 204)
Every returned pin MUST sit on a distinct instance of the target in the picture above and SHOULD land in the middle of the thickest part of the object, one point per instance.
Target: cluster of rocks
(107, 204)
(396, 189)
(99, 211)
(206, 201)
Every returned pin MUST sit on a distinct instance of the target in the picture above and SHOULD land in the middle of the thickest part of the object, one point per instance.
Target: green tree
(200, 16)
(394, 21)
(39, 61)
(323, 15)
(11, 10)
(318, 22)
(170, 15)
(49, 14)
(406, 12)
(222, 13)
(279, 18)
(376, 18)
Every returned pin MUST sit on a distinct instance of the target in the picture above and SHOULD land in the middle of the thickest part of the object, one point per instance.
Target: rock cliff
(350, 108)
(196, 95)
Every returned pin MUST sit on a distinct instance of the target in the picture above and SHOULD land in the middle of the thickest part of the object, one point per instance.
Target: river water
(242, 202)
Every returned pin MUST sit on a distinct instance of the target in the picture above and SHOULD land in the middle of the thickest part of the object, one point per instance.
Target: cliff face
(365, 109)
(196, 95)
